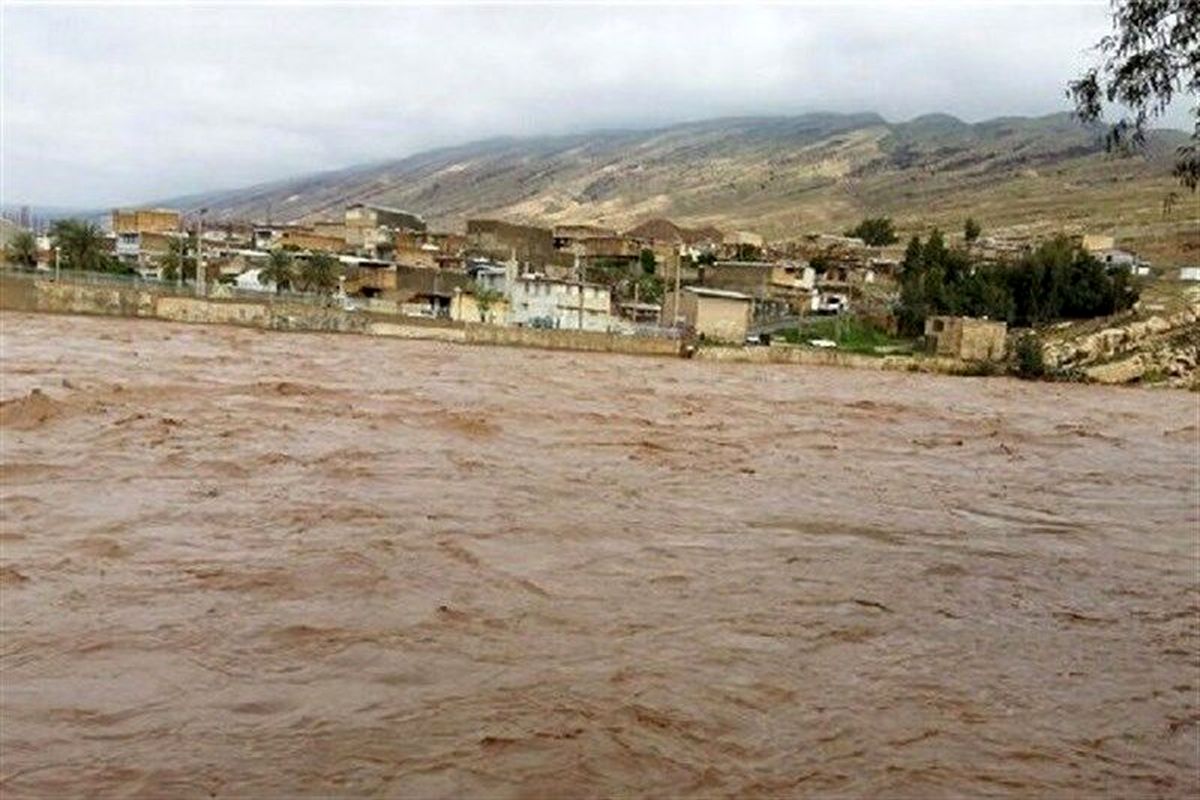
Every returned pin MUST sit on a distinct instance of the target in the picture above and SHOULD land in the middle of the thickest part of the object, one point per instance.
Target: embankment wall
(66, 297)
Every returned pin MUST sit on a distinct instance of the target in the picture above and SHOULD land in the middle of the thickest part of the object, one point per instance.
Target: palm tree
(319, 273)
(22, 250)
(278, 271)
(80, 244)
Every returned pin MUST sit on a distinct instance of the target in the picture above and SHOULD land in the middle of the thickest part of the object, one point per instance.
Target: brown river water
(247, 564)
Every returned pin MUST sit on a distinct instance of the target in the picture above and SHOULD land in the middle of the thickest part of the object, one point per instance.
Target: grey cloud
(108, 105)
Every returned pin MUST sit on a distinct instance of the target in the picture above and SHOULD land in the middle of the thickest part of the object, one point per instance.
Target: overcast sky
(107, 105)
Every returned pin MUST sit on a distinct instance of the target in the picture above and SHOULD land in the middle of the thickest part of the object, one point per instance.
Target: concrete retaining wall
(19, 293)
(790, 354)
(571, 340)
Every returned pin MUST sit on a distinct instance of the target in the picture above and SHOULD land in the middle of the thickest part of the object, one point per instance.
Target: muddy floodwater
(240, 563)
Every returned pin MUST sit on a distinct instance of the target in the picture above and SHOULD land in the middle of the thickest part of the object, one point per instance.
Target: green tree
(648, 261)
(1057, 281)
(971, 230)
(178, 259)
(1152, 55)
(319, 273)
(279, 270)
(875, 231)
(80, 245)
(650, 289)
(22, 250)
(748, 252)
(485, 299)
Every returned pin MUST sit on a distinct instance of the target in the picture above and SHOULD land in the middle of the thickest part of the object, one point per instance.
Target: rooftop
(704, 292)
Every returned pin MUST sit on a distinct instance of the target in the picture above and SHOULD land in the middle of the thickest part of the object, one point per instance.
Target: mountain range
(778, 176)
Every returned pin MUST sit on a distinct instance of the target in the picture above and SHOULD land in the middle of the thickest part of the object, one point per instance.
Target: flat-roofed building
(367, 215)
(709, 313)
(145, 220)
(966, 338)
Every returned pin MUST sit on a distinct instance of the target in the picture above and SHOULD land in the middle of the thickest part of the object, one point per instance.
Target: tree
(485, 299)
(279, 270)
(1059, 280)
(648, 261)
(319, 273)
(650, 289)
(80, 245)
(177, 261)
(1152, 55)
(748, 252)
(971, 230)
(22, 250)
(875, 231)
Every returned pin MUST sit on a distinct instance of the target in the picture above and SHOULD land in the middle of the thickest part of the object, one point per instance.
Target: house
(566, 236)
(429, 304)
(641, 313)
(709, 313)
(663, 231)
(143, 236)
(965, 338)
(1123, 259)
(1114, 257)
(464, 307)
(537, 301)
(368, 278)
(304, 239)
(493, 238)
(611, 249)
(786, 282)
(145, 220)
(365, 215)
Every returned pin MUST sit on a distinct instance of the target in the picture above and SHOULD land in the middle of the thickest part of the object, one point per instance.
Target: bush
(875, 231)
(1030, 361)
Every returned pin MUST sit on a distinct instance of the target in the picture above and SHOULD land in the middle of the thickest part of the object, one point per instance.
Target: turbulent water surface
(238, 563)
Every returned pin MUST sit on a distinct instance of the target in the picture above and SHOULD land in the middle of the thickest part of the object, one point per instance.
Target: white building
(1123, 258)
(1189, 273)
(536, 301)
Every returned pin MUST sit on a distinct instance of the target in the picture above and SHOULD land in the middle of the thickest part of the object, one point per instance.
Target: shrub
(1030, 361)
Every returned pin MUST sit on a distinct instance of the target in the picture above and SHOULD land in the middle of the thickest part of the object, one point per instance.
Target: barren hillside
(780, 176)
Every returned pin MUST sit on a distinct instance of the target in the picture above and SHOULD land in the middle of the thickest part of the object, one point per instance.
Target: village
(657, 279)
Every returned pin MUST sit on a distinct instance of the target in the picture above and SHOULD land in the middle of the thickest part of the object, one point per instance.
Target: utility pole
(200, 253)
(56, 272)
(675, 300)
(579, 284)
(182, 255)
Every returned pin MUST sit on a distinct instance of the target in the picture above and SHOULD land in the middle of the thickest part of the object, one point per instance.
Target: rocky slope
(779, 176)
(1155, 343)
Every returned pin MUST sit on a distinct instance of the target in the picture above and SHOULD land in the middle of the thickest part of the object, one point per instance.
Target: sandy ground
(238, 563)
